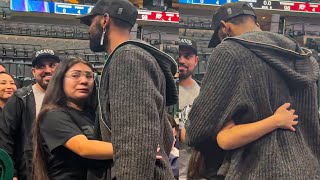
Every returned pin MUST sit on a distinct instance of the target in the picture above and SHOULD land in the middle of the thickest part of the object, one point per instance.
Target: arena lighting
(79, 9)
(291, 6)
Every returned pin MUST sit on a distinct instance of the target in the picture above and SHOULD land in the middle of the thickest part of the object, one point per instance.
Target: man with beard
(251, 73)
(21, 110)
(137, 84)
(188, 91)
(188, 60)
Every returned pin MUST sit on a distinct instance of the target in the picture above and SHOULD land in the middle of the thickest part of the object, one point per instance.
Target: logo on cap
(120, 11)
(229, 10)
(187, 41)
(44, 51)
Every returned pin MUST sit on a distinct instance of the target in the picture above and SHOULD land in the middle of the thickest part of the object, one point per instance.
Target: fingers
(159, 157)
(292, 129)
(292, 111)
(285, 106)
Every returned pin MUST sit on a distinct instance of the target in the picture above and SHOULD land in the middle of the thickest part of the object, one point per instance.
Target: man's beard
(185, 75)
(96, 38)
(42, 83)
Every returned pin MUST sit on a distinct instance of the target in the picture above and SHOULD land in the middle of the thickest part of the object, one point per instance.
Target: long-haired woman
(63, 133)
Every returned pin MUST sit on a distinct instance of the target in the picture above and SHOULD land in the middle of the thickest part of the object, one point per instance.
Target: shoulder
(24, 91)
(224, 55)
(131, 51)
(57, 113)
(55, 117)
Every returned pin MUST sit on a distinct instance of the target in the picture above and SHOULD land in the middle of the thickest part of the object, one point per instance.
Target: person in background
(21, 110)
(7, 88)
(188, 91)
(174, 154)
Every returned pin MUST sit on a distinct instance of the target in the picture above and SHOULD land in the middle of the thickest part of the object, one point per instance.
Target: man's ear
(197, 60)
(105, 20)
(224, 27)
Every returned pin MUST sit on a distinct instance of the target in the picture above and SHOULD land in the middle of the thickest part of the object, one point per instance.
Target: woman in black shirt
(63, 133)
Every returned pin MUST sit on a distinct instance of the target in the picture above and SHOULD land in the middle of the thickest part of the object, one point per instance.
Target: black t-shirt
(57, 127)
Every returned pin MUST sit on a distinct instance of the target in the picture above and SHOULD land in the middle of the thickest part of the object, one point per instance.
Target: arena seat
(7, 165)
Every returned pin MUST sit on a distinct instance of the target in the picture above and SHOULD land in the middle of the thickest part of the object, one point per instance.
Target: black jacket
(15, 130)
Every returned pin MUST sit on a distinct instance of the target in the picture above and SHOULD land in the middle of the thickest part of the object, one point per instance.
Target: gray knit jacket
(248, 78)
(136, 85)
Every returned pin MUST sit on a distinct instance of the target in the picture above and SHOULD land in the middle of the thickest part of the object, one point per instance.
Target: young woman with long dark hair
(63, 132)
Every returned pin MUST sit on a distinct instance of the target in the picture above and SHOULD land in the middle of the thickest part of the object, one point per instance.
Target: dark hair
(2, 65)
(54, 98)
(172, 122)
(2, 72)
(121, 24)
(242, 19)
(195, 165)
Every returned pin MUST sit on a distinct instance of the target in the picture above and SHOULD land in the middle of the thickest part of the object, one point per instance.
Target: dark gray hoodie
(136, 86)
(248, 78)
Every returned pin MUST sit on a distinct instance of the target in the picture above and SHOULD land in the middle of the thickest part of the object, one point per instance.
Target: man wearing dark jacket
(250, 74)
(136, 85)
(21, 110)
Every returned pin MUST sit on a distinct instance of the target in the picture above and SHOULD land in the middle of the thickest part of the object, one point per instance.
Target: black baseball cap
(44, 54)
(119, 9)
(189, 43)
(226, 12)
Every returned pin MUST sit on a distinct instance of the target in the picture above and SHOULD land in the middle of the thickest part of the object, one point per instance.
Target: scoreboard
(294, 6)
(288, 6)
(45, 6)
(71, 9)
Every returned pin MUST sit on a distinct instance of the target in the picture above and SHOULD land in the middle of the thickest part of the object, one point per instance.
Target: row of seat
(43, 30)
(195, 22)
(313, 43)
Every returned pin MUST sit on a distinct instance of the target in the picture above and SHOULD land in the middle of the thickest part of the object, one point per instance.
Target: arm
(134, 114)
(58, 129)
(234, 136)
(183, 135)
(220, 96)
(9, 126)
(90, 149)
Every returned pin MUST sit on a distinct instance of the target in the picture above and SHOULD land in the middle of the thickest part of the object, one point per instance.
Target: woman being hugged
(63, 133)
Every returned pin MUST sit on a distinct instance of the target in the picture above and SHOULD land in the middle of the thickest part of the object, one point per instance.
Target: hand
(285, 118)
(158, 157)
